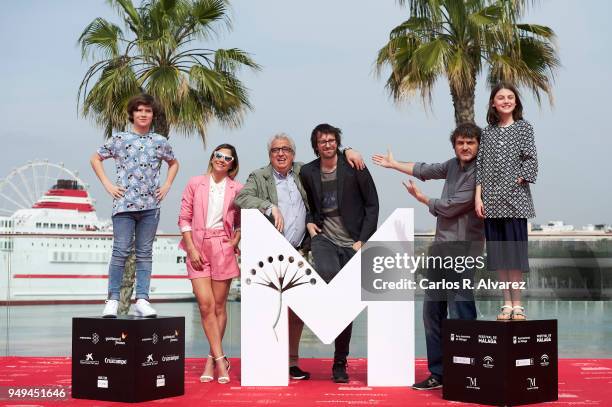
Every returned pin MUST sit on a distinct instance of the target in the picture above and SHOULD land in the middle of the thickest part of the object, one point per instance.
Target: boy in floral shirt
(137, 195)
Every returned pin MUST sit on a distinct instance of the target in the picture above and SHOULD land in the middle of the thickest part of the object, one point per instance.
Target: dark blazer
(357, 197)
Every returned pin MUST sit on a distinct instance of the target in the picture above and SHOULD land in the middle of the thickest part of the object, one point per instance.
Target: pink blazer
(194, 207)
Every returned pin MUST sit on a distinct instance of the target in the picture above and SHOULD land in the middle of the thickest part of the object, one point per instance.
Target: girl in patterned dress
(506, 165)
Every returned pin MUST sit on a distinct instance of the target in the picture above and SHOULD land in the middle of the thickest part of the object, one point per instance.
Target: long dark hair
(232, 171)
(517, 113)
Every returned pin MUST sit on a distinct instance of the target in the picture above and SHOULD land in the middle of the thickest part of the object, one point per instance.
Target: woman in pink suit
(210, 223)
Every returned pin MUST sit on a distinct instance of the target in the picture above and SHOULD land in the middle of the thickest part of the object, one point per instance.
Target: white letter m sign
(275, 276)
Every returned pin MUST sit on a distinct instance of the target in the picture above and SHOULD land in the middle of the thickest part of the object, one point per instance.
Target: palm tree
(158, 53)
(458, 39)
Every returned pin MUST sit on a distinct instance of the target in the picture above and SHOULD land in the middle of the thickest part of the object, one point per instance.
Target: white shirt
(216, 197)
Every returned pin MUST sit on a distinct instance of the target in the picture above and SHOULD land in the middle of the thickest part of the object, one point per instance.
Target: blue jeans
(126, 226)
(434, 312)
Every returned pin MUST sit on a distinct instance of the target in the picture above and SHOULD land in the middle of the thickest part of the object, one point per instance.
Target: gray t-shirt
(333, 228)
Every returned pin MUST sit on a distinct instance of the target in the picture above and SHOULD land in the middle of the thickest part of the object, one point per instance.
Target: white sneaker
(144, 309)
(110, 309)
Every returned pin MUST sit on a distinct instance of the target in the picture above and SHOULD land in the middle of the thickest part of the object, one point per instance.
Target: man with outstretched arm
(456, 222)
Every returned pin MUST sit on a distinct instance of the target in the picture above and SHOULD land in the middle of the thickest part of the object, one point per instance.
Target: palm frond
(163, 57)
(101, 35)
(486, 16)
(233, 59)
(129, 13)
(455, 39)
(538, 30)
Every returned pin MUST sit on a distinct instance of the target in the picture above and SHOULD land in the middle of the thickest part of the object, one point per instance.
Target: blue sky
(317, 60)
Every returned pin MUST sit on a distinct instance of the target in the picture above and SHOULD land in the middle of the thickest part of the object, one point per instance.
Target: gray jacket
(259, 191)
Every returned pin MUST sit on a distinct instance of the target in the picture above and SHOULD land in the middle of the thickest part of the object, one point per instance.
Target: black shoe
(432, 382)
(339, 372)
(296, 373)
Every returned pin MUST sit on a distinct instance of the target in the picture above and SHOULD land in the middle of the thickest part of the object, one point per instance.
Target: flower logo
(280, 274)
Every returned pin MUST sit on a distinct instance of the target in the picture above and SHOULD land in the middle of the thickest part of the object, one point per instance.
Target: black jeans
(329, 259)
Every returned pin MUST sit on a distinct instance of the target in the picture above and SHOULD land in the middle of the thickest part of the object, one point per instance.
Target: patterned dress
(505, 154)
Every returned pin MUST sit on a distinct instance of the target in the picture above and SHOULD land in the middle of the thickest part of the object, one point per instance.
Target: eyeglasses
(330, 141)
(286, 150)
(220, 156)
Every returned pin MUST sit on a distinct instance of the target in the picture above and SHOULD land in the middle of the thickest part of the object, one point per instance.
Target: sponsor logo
(102, 382)
(459, 338)
(94, 338)
(160, 381)
(472, 383)
(149, 361)
(118, 340)
(487, 362)
(487, 339)
(115, 361)
(172, 337)
(170, 358)
(520, 339)
(544, 360)
(153, 339)
(524, 362)
(531, 383)
(89, 360)
(543, 337)
(460, 360)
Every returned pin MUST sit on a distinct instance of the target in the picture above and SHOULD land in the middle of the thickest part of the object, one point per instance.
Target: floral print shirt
(138, 162)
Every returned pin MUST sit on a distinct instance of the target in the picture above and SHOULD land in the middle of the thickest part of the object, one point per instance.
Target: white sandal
(206, 378)
(518, 313)
(224, 379)
(505, 315)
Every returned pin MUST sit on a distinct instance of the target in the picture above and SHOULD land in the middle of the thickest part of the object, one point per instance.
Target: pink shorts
(219, 259)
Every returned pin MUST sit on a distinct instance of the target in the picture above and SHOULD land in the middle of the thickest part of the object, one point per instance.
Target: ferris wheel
(25, 185)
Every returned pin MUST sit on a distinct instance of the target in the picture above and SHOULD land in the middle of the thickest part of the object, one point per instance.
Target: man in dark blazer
(343, 215)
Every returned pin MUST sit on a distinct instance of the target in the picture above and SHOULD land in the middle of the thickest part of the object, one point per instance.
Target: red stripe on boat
(81, 207)
(75, 193)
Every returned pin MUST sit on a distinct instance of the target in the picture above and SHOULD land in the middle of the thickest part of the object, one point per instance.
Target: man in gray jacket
(456, 222)
(276, 190)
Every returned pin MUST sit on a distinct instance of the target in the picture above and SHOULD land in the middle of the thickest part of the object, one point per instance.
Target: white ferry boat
(57, 251)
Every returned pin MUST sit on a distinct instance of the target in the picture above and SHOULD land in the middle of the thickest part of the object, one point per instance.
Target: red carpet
(582, 382)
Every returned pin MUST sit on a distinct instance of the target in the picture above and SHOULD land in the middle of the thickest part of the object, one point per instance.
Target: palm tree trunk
(161, 125)
(463, 102)
(127, 284)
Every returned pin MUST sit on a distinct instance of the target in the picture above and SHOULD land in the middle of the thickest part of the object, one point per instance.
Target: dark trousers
(441, 304)
(434, 312)
(329, 259)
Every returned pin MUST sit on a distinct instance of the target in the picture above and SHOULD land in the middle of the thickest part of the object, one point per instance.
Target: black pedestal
(500, 363)
(128, 359)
